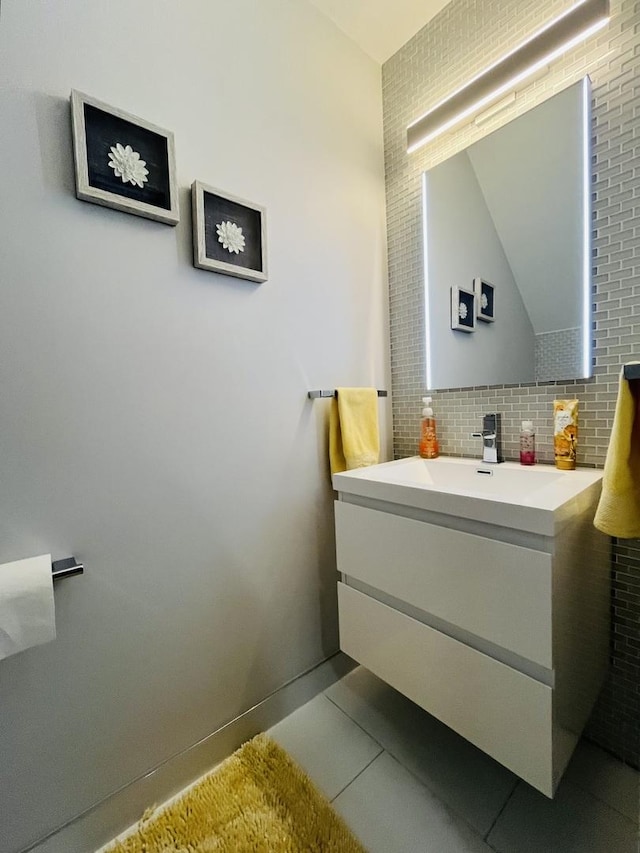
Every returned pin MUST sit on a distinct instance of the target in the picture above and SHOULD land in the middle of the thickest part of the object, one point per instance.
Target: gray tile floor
(405, 783)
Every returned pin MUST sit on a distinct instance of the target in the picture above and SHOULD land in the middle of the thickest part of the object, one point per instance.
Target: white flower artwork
(127, 165)
(231, 237)
(485, 306)
(463, 314)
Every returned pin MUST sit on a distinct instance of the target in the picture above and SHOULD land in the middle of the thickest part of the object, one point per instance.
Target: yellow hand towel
(354, 441)
(618, 512)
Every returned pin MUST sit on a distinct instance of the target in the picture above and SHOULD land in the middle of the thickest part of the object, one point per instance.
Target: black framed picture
(463, 310)
(485, 300)
(229, 234)
(123, 161)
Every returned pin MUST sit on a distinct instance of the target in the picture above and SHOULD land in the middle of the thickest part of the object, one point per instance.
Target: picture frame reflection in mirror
(485, 300)
(463, 310)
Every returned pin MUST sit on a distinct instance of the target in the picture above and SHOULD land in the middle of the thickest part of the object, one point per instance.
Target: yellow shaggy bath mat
(257, 800)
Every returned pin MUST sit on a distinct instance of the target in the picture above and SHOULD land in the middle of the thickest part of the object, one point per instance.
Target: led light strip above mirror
(573, 26)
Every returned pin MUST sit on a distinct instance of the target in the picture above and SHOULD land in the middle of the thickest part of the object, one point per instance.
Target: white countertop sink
(538, 498)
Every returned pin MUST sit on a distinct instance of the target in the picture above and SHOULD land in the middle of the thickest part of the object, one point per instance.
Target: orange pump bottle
(428, 448)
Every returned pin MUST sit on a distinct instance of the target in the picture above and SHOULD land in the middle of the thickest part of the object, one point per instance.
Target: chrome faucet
(491, 436)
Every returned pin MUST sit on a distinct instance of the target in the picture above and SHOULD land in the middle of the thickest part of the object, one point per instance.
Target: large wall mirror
(507, 252)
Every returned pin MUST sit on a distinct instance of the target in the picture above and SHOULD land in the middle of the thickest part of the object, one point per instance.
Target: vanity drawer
(498, 591)
(505, 713)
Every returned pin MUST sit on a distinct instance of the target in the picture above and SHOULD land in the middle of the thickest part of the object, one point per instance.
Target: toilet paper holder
(66, 567)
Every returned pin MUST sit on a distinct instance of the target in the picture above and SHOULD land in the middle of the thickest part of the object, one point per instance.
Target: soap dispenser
(428, 440)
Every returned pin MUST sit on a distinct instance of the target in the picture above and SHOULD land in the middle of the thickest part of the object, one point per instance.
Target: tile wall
(463, 39)
(557, 352)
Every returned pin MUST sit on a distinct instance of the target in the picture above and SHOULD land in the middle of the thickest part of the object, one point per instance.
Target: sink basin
(538, 498)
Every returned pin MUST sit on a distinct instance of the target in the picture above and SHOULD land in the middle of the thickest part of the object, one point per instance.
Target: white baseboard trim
(111, 816)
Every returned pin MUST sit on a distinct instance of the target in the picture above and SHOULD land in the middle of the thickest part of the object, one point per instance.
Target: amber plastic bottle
(428, 447)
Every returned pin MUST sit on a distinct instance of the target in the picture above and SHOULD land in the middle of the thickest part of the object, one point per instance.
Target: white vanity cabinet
(498, 631)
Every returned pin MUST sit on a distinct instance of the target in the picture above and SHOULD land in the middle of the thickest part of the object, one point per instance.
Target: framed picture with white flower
(463, 310)
(123, 161)
(485, 300)
(229, 234)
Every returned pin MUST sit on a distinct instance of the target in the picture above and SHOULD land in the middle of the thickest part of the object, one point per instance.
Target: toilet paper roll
(27, 610)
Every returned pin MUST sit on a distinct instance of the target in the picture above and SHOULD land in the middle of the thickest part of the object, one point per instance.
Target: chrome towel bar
(315, 394)
(632, 371)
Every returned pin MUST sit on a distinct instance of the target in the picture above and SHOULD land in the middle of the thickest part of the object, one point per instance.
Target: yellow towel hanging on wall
(354, 439)
(618, 512)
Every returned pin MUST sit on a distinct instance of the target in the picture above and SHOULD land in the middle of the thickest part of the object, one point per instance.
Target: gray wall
(154, 417)
(463, 244)
(531, 174)
(463, 39)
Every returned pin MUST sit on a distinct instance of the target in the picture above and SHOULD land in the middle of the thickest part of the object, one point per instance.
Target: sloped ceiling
(380, 27)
